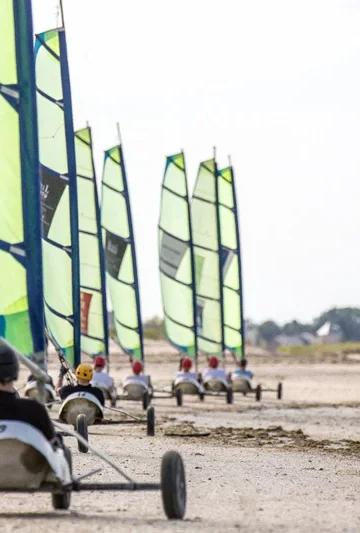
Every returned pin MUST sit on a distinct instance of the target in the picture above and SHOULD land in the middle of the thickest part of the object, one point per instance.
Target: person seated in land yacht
(241, 372)
(20, 409)
(213, 372)
(84, 374)
(137, 375)
(100, 377)
(184, 372)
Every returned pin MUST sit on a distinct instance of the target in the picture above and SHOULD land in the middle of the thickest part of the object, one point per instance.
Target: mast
(192, 259)
(74, 225)
(238, 246)
(221, 281)
(132, 246)
(101, 252)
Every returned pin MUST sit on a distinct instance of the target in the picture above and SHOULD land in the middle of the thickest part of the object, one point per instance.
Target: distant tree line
(346, 320)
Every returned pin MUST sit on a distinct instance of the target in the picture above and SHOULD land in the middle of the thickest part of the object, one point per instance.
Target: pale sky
(274, 83)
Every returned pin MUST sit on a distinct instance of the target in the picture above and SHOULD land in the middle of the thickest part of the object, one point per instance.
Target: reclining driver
(184, 372)
(241, 372)
(213, 372)
(84, 374)
(137, 375)
(11, 406)
(100, 377)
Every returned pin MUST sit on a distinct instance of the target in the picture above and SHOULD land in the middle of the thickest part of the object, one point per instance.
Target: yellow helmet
(84, 372)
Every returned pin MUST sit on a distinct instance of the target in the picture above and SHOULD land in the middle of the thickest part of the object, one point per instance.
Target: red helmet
(100, 361)
(213, 362)
(137, 367)
(186, 363)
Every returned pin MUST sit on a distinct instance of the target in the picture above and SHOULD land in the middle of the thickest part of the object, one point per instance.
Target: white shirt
(102, 379)
(214, 373)
(139, 379)
(186, 376)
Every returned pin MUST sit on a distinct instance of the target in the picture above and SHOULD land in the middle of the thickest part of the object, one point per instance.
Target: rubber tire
(258, 393)
(150, 421)
(279, 391)
(113, 402)
(229, 396)
(173, 485)
(179, 397)
(62, 500)
(201, 396)
(82, 428)
(146, 400)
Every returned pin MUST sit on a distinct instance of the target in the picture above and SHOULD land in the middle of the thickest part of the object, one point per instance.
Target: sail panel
(21, 304)
(231, 263)
(94, 327)
(59, 194)
(205, 222)
(120, 255)
(176, 258)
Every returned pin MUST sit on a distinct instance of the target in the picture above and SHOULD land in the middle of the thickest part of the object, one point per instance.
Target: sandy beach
(289, 465)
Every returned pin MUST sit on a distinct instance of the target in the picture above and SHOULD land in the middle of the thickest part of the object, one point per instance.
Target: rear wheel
(173, 485)
(229, 395)
(150, 421)
(146, 400)
(258, 393)
(279, 391)
(179, 397)
(202, 396)
(82, 428)
(113, 401)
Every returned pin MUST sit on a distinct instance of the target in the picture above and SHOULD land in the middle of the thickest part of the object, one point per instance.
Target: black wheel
(150, 421)
(229, 395)
(146, 400)
(179, 397)
(61, 500)
(202, 396)
(258, 393)
(279, 391)
(173, 485)
(82, 428)
(113, 402)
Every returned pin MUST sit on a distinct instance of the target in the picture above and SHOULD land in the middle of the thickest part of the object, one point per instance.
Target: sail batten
(21, 290)
(58, 194)
(176, 258)
(120, 254)
(94, 324)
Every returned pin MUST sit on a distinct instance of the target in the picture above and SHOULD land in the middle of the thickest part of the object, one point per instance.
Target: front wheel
(279, 391)
(173, 485)
(150, 422)
(229, 395)
(82, 428)
(179, 397)
(202, 396)
(258, 393)
(61, 500)
(146, 400)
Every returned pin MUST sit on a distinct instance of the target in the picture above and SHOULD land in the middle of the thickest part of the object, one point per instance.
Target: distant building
(329, 333)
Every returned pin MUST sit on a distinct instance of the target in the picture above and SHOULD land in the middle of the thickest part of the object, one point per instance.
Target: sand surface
(290, 465)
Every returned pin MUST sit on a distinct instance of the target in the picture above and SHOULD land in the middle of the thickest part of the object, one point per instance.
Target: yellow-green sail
(59, 194)
(176, 258)
(206, 241)
(120, 256)
(21, 295)
(94, 326)
(231, 264)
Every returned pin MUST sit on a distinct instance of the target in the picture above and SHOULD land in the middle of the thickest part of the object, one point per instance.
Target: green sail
(231, 264)
(94, 328)
(120, 257)
(59, 194)
(206, 240)
(176, 258)
(21, 294)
